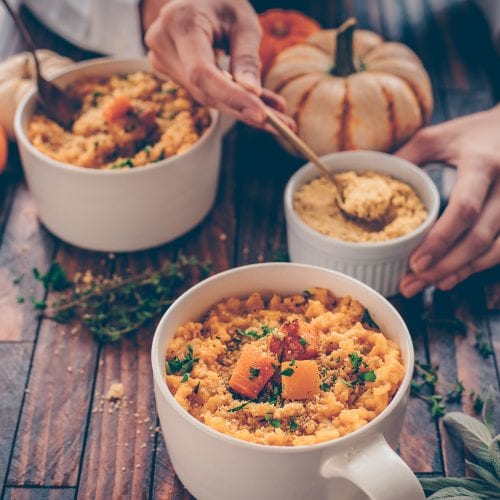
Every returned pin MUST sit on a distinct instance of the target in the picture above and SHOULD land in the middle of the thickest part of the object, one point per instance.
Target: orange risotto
(294, 370)
(125, 121)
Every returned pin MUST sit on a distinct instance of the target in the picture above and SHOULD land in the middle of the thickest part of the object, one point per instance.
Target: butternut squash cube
(299, 380)
(252, 371)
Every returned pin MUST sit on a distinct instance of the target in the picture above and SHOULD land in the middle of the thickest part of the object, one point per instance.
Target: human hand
(465, 239)
(182, 39)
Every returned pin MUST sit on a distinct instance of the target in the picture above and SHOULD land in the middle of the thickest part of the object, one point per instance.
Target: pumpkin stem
(344, 64)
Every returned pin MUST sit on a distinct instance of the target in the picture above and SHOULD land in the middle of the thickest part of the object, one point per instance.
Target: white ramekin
(215, 466)
(379, 265)
(121, 210)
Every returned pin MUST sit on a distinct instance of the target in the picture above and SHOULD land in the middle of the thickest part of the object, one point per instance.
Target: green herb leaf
(54, 279)
(325, 387)
(240, 407)
(20, 300)
(293, 425)
(488, 410)
(185, 377)
(356, 361)
(484, 474)
(455, 394)
(254, 373)
(433, 484)
(38, 305)
(457, 493)
(17, 279)
(182, 366)
(347, 382)
(368, 320)
(273, 421)
(474, 434)
(494, 452)
(288, 372)
(368, 376)
(303, 341)
(197, 388)
(292, 362)
(253, 334)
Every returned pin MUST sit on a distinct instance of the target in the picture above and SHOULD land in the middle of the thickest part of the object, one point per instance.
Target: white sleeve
(491, 11)
(106, 26)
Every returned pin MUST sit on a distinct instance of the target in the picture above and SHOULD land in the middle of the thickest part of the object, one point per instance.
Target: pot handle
(377, 470)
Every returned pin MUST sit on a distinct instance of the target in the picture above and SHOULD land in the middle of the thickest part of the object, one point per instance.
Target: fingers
(462, 211)
(245, 60)
(424, 146)
(485, 261)
(474, 250)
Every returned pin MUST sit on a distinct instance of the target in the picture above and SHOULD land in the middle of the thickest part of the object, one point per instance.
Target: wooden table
(53, 444)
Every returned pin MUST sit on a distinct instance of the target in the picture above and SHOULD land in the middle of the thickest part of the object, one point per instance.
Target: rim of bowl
(159, 376)
(292, 187)
(100, 61)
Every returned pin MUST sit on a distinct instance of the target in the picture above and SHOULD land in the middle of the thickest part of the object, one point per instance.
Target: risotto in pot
(125, 121)
(289, 370)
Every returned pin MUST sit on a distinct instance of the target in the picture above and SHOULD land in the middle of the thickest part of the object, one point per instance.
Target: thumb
(425, 146)
(245, 60)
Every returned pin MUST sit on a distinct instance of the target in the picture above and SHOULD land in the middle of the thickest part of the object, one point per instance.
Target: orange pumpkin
(281, 29)
(350, 89)
(3, 149)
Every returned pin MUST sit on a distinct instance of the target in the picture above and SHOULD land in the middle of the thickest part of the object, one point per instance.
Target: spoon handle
(298, 143)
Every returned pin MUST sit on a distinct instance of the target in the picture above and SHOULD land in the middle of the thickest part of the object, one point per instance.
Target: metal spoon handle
(298, 143)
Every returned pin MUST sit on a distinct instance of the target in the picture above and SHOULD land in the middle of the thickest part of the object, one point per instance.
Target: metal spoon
(55, 102)
(303, 148)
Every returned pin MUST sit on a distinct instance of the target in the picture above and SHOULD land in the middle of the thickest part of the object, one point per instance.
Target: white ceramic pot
(215, 466)
(121, 210)
(379, 265)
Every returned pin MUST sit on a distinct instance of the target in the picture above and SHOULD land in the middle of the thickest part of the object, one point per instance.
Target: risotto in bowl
(126, 176)
(296, 373)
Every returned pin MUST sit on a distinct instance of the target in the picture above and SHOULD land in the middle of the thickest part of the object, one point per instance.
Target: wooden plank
(261, 177)
(39, 493)
(25, 245)
(14, 367)
(419, 441)
(53, 421)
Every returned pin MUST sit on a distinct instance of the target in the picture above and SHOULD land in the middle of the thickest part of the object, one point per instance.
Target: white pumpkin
(17, 75)
(349, 89)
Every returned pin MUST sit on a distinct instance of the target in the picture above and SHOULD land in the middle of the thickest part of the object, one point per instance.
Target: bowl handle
(377, 470)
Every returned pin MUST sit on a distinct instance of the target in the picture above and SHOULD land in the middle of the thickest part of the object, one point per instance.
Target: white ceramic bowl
(120, 210)
(215, 466)
(379, 265)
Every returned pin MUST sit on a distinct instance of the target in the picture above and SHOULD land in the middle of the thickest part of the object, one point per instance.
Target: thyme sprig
(113, 307)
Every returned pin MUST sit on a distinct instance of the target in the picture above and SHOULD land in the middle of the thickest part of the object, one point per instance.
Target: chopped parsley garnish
(254, 373)
(368, 376)
(346, 382)
(293, 425)
(182, 366)
(368, 320)
(303, 341)
(325, 387)
(275, 394)
(125, 163)
(161, 156)
(288, 372)
(20, 300)
(356, 361)
(272, 421)
(38, 305)
(253, 334)
(197, 388)
(171, 90)
(292, 362)
(307, 294)
(185, 377)
(240, 407)
(147, 150)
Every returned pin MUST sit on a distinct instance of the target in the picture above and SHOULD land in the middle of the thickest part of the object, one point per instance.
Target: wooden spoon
(363, 216)
(55, 102)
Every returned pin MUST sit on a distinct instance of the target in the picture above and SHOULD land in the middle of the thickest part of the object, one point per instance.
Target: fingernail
(448, 282)
(249, 81)
(422, 263)
(254, 115)
(413, 287)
